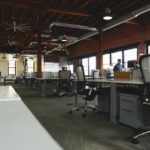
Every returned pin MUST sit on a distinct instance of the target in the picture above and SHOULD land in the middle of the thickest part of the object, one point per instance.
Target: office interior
(57, 84)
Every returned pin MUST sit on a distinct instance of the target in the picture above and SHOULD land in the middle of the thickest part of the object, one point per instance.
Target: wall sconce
(107, 15)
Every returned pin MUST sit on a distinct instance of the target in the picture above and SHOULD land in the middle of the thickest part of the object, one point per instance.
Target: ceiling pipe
(127, 17)
(114, 23)
(75, 26)
(91, 31)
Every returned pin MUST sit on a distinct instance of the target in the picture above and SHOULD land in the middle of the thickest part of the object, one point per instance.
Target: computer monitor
(131, 63)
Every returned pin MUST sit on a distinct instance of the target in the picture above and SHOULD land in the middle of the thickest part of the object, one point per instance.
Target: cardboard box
(122, 75)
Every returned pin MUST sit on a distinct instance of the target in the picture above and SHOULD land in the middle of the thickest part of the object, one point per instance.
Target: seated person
(136, 65)
(118, 67)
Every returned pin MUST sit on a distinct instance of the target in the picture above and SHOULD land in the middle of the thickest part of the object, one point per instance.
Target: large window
(71, 68)
(85, 65)
(92, 64)
(130, 54)
(89, 64)
(30, 66)
(148, 49)
(51, 67)
(12, 67)
(125, 55)
(106, 61)
(115, 56)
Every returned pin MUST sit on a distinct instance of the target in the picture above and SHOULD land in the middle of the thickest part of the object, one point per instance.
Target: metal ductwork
(127, 17)
(90, 32)
(93, 31)
(75, 26)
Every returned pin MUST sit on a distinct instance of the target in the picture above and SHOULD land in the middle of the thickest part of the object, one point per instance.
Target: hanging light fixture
(107, 15)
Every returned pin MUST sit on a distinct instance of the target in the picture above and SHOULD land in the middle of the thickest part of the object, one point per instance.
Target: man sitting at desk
(118, 67)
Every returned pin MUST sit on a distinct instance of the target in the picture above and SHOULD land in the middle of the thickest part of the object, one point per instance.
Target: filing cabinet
(130, 111)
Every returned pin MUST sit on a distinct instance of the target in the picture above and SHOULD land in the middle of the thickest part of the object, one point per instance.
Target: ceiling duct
(93, 31)
(127, 17)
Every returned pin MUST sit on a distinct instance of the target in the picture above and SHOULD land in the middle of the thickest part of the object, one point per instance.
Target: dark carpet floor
(72, 131)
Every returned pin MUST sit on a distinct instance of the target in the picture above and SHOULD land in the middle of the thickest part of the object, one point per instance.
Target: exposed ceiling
(21, 21)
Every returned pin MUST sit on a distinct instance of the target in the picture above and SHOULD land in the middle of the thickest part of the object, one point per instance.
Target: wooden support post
(39, 67)
(100, 55)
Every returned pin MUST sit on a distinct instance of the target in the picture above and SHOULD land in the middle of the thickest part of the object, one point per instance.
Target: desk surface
(47, 78)
(7, 93)
(116, 81)
(19, 129)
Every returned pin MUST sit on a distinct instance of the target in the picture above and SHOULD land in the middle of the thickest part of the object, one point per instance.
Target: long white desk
(19, 129)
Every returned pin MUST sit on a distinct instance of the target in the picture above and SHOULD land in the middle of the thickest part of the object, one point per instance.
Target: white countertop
(19, 129)
(7, 93)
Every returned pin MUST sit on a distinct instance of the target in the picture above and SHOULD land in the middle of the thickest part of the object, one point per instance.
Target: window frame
(11, 67)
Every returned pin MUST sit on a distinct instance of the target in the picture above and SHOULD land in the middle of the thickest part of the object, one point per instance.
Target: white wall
(4, 67)
(19, 67)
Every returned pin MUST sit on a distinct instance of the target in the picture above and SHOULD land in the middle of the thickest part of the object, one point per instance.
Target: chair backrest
(96, 74)
(64, 74)
(145, 67)
(80, 73)
(136, 74)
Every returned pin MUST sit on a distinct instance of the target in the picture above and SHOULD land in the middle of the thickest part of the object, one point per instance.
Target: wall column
(39, 67)
(100, 55)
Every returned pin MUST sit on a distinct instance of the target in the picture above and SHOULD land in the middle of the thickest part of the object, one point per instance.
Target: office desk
(46, 86)
(113, 93)
(19, 129)
(29, 81)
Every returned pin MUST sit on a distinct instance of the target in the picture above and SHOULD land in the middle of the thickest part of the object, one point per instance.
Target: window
(115, 56)
(51, 67)
(12, 67)
(71, 68)
(148, 49)
(92, 64)
(89, 64)
(85, 65)
(124, 54)
(130, 54)
(106, 61)
(30, 66)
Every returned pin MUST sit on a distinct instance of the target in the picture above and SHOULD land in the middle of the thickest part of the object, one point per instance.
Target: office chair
(88, 94)
(96, 74)
(145, 98)
(64, 83)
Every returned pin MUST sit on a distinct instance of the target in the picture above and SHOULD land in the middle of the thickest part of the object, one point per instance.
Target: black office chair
(145, 98)
(64, 83)
(88, 93)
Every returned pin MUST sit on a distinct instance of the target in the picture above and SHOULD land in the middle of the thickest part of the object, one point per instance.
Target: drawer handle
(127, 110)
(129, 101)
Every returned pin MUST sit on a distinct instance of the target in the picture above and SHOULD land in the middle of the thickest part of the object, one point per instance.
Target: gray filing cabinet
(130, 111)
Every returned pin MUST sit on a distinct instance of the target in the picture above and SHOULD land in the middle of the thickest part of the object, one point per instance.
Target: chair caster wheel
(135, 141)
(70, 112)
(84, 115)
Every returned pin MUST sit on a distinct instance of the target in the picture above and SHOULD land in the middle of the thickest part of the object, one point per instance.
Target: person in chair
(118, 67)
(136, 65)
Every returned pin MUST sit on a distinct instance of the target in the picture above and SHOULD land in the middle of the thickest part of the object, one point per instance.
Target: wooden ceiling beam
(49, 9)
(85, 4)
(68, 12)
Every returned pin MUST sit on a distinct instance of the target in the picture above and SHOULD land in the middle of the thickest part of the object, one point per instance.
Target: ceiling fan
(20, 27)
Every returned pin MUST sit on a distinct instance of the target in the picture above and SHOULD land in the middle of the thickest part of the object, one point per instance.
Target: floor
(72, 131)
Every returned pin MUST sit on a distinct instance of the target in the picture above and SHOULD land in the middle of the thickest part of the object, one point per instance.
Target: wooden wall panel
(121, 35)
(83, 48)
